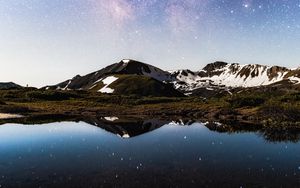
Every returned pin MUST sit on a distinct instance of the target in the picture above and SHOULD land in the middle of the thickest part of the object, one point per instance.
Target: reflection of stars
(246, 5)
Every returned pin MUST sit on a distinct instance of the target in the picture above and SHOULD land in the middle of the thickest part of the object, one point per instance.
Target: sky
(44, 42)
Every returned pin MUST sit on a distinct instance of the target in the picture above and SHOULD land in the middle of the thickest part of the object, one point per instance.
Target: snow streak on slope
(294, 79)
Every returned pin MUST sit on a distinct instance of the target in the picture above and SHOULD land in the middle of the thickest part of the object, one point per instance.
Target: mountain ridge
(234, 75)
(214, 76)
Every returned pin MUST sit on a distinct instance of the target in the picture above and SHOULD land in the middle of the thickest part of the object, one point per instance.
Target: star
(153, 31)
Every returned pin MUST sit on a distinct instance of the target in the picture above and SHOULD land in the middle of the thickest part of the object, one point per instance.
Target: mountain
(221, 75)
(130, 77)
(127, 77)
(9, 85)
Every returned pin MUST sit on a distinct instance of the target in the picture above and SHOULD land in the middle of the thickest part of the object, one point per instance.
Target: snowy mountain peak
(124, 67)
(226, 75)
(126, 60)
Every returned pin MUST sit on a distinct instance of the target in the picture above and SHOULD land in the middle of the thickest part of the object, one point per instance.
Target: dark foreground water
(72, 154)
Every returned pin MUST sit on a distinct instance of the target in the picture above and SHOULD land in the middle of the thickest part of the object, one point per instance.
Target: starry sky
(48, 41)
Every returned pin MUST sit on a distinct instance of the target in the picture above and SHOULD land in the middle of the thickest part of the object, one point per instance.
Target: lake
(145, 154)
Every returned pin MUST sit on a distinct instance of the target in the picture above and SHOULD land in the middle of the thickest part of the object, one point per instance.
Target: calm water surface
(73, 154)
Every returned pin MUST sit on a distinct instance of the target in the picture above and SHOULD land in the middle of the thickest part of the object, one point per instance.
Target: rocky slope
(221, 75)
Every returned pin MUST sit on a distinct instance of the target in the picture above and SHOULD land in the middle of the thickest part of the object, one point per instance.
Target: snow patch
(294, 79)
(111, 118)
(92, 86)
(95, 83)
(126, 61)
(107, 81)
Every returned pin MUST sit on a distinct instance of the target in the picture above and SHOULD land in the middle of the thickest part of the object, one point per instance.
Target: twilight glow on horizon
(44, 42)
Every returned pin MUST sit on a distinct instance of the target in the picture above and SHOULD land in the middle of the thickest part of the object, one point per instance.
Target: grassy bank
(252, 107)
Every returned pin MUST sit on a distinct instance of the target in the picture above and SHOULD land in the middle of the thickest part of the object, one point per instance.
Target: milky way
(47, 41)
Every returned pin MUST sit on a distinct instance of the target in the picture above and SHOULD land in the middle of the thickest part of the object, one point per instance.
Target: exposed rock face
(276, 71)
(214, 66)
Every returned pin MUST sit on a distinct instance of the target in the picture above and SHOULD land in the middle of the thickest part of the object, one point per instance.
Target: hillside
(9, 85)
(124, 67)
(134, 85)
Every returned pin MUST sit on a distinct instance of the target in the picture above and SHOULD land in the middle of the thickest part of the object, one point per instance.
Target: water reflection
(281, 135)
(127, 127)
(179, 153)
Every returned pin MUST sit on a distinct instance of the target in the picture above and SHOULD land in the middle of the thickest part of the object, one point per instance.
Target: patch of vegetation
(143, 86)
(50, 95)
(293, 97)
(281, 112)
(15, 109)
(10, 94)
(135, 100)
(239, 101)
(156, 100)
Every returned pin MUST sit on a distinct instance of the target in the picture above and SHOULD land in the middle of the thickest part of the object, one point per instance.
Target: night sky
(48, 41)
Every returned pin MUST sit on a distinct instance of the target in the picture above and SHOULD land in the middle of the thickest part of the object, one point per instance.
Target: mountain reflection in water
(116, 152)
(131, 127)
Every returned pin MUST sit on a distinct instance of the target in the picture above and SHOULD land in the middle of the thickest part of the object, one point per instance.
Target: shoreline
(266, 109)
